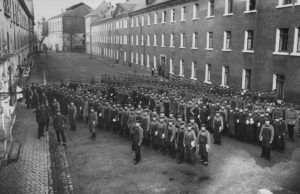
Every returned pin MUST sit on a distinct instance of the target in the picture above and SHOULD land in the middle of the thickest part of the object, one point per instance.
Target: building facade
(66, 31)
(248, 44)
(16, 46)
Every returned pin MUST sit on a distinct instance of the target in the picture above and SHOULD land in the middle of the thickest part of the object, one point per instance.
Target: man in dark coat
(137, 140)
(72, 112)
(41, 118)
(266, 137)
(92, 122)
(59, 123)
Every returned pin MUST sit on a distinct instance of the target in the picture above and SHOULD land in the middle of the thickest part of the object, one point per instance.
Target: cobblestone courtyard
(105, 166)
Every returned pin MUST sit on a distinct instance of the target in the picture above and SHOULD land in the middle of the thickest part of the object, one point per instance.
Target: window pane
(283, 41)
(230, 2)
(228, 38)
(210, 40)
(298, 42)
(250, 40)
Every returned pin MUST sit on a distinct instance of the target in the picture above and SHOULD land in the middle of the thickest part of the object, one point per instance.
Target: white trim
(143, 20)
(209, 11)
(193, 73)
(208, 17)
(284, 6)
(171, 66)
(163, 40)
(148, 60)
(207, 72)
(137, 58)
(209, 49)
(296, 40)
(208, 82)
(181, 41)
(142, 59)
(224, 41)
(295, 54)
(228, 14)
(154, 62)
(163, 17)
(172, 40)
(148, 19)
(155, 17)
(172, 20)
(244, 79)
(195, 17)
(281, 53)
(274, 83)
(226, 50)
(252, 11)
(181, 68)
(248, 51)
(148, 39)
(183, 16)
(154, 40)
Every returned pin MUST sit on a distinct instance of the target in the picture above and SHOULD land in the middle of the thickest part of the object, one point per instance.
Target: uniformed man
(59, 125)
(180, 139)
(266, 136)
(291, 117)
(154, 132)
(92, 122)
(218, 126)
(171, 138)
(162, 134)
(190, 140)
(137, 140)
(203, 144)
(72, 112)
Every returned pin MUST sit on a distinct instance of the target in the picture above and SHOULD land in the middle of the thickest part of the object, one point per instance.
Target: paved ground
(30, 173)
(105, 166)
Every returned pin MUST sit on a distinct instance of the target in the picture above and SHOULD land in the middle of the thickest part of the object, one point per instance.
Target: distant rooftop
(75, 6)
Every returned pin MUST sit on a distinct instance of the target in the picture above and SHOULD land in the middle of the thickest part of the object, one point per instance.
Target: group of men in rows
(173, 118)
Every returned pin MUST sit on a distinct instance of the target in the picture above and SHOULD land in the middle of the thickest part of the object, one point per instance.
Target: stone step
(14, 151)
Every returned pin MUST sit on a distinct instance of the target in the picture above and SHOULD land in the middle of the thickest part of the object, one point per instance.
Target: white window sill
(207, 82)
(148, 24)
(208, 17)
(182, 47)
(155, 23)
(192, 78)
(295, 54)
(154, 45)
(297, 4)
(183, 20)
(248, 51)
(172, 21)
(163, 46)
(209, 49)
(172, 47)
(194, 48)
(228, 14)
(280, 53)
(163, 22)
(181, 75)
(172, 73)
(195, 18)
(283, 6)
(226, 50)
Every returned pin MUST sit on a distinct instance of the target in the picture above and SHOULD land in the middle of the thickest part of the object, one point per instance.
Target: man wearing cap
(131, 123)
(250, 128)
(194, 125)
(72, 112)
(162, 134)
(180, 140)
(137, 140)
(231, 123)
(218, 126)
(190, 144)
(266, 136)
(154, 132)
(92, 122)
(59, 122)
(291, 117)
(171, 138)
(278, 142)
(145, 124)
(204, 144)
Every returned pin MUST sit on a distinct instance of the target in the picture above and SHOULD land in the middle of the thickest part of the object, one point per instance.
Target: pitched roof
(75, 6)
(100, 9)
(71, 11)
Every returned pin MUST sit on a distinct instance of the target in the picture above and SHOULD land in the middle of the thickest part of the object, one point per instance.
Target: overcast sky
(49, 8)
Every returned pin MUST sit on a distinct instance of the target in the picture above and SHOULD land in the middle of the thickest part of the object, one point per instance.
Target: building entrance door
(280, 86)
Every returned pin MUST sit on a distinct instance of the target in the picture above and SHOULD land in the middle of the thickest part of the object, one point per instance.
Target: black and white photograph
(149, 96)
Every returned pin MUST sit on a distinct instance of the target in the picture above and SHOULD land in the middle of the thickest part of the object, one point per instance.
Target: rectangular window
(171, 66)
(142, 39)
(251, 5)
(142, 59)
(132, 42)
(136, 58)
(183, 13)
(148, 40)
(148, 20)
(172, 15)
(137, 39)
(209, 40)
(211, 8)
(283, 40)
(196, 11)
(227, 40)
(163, 17)
(132, 22)
(207, 73)
(181, 68)
(143, 21)
(154, 62)
(225, 75)
(195, 40)
(296, 48)
(193, 71)
(248, 79)
(162, 40)
(125, 56)
(136, 21)
(228, 7)
(172, 40)
(148, 60)
(182, 40)
(155, 40)
(155, 18)
(132, 57)
(250, 39)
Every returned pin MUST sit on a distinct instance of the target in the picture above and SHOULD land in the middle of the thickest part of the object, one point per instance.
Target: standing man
(190, 144)
(266, 136)
(218, 126)
(204, 144)
(291, 117)
(55, 107)
(41, 118)
(59, 122)
(137, 140)
(72, 112)
(92, 122)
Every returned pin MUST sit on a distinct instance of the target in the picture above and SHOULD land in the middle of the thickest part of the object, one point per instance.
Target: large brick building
(66, 31)
(248, 44)
(16, 45)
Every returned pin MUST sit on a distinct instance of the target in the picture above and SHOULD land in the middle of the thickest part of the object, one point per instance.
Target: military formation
(174, 117)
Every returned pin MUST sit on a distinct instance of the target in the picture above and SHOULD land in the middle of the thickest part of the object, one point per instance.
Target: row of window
(162, 17)
(55, 26)
(12, 10)
(281, 47)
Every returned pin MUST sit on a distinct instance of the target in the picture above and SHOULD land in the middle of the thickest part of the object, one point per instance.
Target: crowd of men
(173, 117)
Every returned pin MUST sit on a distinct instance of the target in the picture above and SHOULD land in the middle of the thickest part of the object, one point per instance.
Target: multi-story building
(248, 44)
(16, 45)
(66, 31)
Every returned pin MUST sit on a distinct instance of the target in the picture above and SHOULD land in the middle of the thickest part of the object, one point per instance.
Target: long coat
(92, 122)
(267, 135)
(72, 112)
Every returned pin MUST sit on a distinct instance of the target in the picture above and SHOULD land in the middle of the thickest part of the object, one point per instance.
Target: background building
(16, 45)
(66, 31)
(248, 44)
